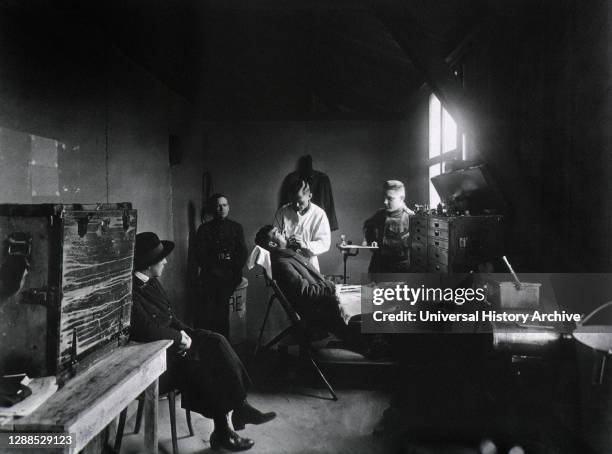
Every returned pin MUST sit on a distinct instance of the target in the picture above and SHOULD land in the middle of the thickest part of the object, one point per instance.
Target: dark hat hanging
(150, 250)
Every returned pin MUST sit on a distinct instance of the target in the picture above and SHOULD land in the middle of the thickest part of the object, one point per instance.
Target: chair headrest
(260, 256)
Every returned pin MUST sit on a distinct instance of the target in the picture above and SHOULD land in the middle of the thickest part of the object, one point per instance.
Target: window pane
(449, 132)
(434, 198)
(435, 127)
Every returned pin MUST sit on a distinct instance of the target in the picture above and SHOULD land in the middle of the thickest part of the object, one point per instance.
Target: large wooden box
(75, 301)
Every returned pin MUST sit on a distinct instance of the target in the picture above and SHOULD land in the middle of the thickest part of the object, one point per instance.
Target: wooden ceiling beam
(349, 45)
(426, 57)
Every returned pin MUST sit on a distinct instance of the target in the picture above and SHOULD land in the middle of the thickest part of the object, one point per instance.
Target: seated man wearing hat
(202, 364)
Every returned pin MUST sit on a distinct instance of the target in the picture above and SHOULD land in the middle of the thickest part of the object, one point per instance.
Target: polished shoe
(230, 440)
(246, 414)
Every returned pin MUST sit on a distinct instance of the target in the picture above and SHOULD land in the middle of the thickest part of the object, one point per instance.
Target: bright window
(435, 127)
(449, 132)
(446, 143)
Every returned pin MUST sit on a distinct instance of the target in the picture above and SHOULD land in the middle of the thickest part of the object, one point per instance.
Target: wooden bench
(91, 400)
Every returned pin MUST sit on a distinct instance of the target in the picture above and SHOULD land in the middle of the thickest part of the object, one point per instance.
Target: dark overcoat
(211, 377)
(311, 294)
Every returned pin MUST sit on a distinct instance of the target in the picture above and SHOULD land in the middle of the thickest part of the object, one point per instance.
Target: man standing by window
(389, 228)
(221, 254)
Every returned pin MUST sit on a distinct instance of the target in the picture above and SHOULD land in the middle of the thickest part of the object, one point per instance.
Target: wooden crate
(75, 301)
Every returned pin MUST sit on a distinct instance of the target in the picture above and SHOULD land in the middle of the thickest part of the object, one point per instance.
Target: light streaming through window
(445, 143)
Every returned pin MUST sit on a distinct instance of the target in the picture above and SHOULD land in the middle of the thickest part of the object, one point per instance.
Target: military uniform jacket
(391, 231)
(221, 250)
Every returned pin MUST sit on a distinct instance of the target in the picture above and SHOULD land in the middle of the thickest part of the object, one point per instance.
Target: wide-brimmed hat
(150, 249)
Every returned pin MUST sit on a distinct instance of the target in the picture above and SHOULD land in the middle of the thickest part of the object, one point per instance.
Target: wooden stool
(172, 410)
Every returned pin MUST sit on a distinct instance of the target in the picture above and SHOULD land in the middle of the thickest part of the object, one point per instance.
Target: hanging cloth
(320, 187)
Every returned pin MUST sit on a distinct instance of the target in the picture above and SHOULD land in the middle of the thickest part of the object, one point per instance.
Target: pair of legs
(323, 313)
(214, 383)
(224, 435)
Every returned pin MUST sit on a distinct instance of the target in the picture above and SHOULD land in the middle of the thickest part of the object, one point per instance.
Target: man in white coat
(304, 224)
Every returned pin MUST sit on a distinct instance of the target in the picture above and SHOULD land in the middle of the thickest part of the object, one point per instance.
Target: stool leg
(188, 415)
(139, 415)
(172, 409)
(120, 427)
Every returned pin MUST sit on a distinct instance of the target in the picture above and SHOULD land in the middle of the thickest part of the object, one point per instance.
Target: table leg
(150, 417)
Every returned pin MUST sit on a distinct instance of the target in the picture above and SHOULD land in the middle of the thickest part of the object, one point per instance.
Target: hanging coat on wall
(320, 187)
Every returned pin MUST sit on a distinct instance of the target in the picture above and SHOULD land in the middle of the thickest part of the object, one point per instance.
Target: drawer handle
(437, 255)
(437, 243)
(437, 267)
(418, 230)
(436, 233)
(436, 224)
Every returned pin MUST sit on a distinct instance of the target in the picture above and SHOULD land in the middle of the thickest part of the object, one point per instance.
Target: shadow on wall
(193, 293)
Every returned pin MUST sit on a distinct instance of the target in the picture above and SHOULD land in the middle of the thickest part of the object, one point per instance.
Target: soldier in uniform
(389, 228)
(221, 254)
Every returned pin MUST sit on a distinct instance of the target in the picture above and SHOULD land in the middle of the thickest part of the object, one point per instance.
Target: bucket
(525, 296)
(237, 315)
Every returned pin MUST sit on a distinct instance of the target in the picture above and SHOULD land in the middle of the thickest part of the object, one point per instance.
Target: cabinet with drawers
(454, 244)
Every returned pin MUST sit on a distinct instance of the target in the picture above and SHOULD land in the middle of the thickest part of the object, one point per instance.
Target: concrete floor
(304, 424)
